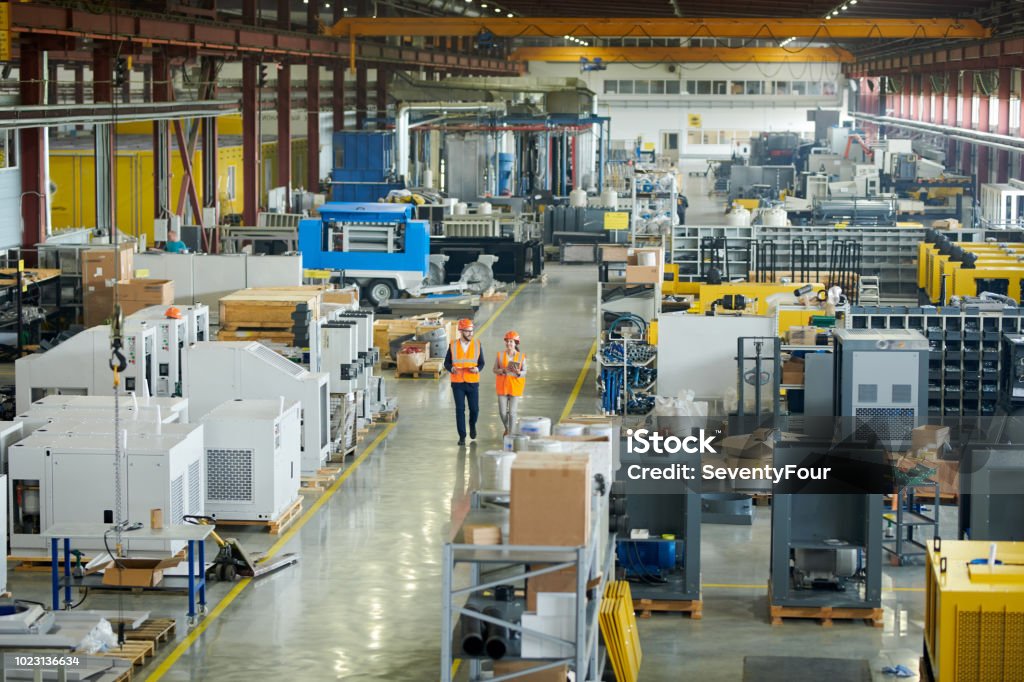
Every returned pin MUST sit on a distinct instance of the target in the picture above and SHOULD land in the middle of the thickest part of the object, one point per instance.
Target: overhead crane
(649, 55)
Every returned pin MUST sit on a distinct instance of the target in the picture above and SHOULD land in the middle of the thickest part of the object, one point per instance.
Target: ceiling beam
(839, 28)
(666, 55)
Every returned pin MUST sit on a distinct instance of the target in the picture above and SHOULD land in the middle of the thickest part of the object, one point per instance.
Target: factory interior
(476, 340)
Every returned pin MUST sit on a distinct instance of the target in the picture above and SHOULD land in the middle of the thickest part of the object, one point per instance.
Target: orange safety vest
(508, 384)
(463, 360)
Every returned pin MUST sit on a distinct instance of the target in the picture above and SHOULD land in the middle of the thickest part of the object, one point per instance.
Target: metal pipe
(472, 634)
(994, 140)
(403, 127)
(497, 635)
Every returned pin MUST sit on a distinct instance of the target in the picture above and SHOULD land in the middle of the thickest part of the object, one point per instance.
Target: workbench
(194, 535)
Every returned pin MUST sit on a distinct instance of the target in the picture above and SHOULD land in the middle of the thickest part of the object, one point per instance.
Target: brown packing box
(550, 505)
(99, 264)
(643, 274)
(947, 475)
(803, 336)
(614, 254)
(793, 371)
(481, 534)
(410, 362)
(417, 347)
(929, 437)
(558, 674)
(97, 304)
(138, 572)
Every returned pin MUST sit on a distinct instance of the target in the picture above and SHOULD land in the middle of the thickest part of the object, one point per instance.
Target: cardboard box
(644, 274)
(557, 674)
(149, 291)
(947, 475)
(550, 499)
(416, 347)
(410, 362)
(97, 303)
(929, 437)
(614, 253)
(793, 371)
(803, 336)
(138, 572)
(100, 265)
(481, 534)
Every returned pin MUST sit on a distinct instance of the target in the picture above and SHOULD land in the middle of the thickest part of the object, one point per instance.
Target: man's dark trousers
(464, 392)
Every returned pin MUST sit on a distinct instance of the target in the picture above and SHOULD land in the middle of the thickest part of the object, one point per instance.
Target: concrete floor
(364, 601)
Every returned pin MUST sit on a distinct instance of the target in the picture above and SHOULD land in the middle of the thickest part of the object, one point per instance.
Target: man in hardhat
(464, 360)
(510, 380)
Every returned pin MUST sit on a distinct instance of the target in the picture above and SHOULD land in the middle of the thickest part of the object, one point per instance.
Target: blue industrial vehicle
(378, 246)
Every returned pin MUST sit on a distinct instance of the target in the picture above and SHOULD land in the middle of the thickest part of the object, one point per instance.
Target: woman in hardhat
(464, 361)
(510, 371)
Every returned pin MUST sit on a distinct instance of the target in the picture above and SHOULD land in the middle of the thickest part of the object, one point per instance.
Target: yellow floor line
(501, 309)
(579, 382)
(191, 638)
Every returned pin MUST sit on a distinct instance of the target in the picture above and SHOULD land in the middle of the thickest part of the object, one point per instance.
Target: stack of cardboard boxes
(102, 266)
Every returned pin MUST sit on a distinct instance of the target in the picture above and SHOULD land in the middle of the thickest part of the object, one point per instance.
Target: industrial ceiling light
(484, 5)
(498, 10)
(844, 8)
(509, 15)
(853, 2)
(835, 13)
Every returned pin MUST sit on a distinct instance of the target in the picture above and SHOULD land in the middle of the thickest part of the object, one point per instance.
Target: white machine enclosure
(171, 339)
(65, 476)
(218, 371)
(252, 459)
(340, 355)
(10, 433)
(3, 537)
(101, 409)
(80, 366)
(366, 352)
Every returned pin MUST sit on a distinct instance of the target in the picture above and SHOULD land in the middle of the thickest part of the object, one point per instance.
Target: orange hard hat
(512, 336)
(173, 313)
(465, 323)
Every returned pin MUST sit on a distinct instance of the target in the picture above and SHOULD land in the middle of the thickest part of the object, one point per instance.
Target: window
(231, 182)
(719, 87)
(625, 87)
(657, 87)
(813, 88)
(736, 87)
(710, 137)
(798, 88)
(693, 137)
(8, 148)
(753, 87)
(781, 87)
(828, 88)
(703, 87)
(641, 87)
(691, 87)
(671, 87)
(611, 87)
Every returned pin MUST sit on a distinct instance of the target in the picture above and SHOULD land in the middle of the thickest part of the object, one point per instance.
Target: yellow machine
(931, 256)
(995, 277)
(974, 612)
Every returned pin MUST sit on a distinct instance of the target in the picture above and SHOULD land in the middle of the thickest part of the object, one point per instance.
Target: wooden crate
(693, 607)
(825, 614)
(134, 651)
(156, 630)
(272, 335)
(322, 480)
(267, 307)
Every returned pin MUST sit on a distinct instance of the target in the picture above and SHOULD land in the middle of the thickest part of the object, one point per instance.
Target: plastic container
(461, 208)
(570, 429)
(485, 208)
(496, 470)
(610, 199)
(534, 427)
(544, 445)
(578, 198)
(739, 217)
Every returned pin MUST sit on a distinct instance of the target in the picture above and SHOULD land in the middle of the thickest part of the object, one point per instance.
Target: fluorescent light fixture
(509, 15)
(844, 7)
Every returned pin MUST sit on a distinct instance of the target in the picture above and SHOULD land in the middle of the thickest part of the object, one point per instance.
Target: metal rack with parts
(654, 195)
(627, 362)
(493, 569)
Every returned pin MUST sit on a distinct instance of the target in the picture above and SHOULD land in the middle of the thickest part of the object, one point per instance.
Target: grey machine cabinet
(992, 493)
(826, 547)
(661, 512)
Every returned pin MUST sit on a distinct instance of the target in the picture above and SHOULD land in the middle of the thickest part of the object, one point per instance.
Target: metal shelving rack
(491, 566)
(965, 362)
(684, 249)
(645, 303)
(656, 199)
(911, 522)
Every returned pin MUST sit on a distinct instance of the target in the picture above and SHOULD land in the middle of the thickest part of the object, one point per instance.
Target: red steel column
(312, 108)
(338, 81)
(949, 115)
(966, 110)
(1003, 125)
(982, 125)
(926, 99)
(33, 151)
(250, 142)
(284, 131)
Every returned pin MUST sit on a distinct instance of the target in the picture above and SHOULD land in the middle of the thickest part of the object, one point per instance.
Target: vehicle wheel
(229, 573)
(380, 291)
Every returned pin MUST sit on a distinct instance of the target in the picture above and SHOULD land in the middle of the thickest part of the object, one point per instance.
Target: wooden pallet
(156, 630)
(387, 417)
(694, 607)
(426, 374)
(494, 296)
(825, 614)
(273, 335)
(388, 363)
(321, 481)
(341, 455)
(134, 651)
(275, 527)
